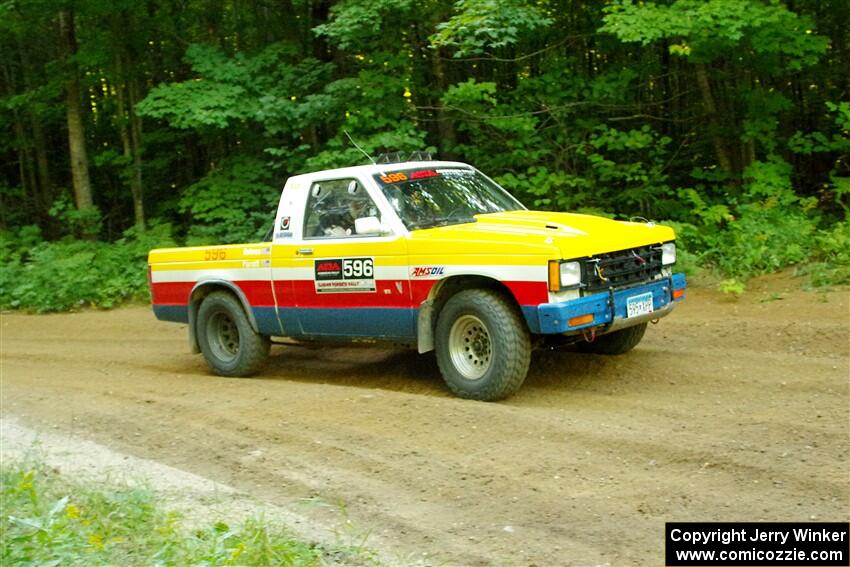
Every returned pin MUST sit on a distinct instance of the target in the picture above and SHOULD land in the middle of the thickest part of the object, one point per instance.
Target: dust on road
(727, 411)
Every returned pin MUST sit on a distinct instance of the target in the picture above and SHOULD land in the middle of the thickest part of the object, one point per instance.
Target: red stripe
(526, 293)
(386, 295)
(529, 293)
(258, 292)
(171, 293)
(413, 293)
(421, 289)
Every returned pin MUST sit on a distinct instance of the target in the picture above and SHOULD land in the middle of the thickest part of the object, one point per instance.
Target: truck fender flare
(425, 327)
(194, 303)
(429, 309)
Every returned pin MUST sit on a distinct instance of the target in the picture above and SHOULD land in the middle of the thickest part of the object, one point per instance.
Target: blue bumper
(608, 307)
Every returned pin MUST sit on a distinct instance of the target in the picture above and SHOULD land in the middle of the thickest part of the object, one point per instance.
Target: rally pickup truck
(430, 254)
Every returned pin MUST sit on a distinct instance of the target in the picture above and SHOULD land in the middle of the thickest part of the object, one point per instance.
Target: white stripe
(497, 272)
(308, 274)
(510, 273)
(233, 274)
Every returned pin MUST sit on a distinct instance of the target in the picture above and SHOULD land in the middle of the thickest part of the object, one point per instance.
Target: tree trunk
(136, 186)
(74, 114)
(445, 126)
(28, 180)
(130, 130)
(42, 167)
(25, 161)
(723, 158)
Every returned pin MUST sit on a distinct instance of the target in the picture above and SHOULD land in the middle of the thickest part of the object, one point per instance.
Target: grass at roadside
(49, 520)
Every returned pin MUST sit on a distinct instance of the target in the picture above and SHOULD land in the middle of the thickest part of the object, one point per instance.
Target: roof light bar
(399, 157)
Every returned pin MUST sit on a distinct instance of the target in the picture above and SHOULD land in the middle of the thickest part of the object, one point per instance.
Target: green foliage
(768, 230)
(266, 88)
(49, 520)
(80, 223)
(481, 26)
(830, 263)
(69, 274)
(838, 140)
(359, 24)
(762, 240)
(773, 37)
(234, 203)
(732, 287)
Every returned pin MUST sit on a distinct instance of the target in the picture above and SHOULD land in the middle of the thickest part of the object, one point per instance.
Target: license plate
(639, 305)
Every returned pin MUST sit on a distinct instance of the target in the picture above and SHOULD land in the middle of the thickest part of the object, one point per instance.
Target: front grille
(622, 268)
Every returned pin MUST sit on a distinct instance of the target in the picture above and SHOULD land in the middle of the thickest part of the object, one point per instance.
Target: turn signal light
(554, 276)
(581, 320)
(678, 294)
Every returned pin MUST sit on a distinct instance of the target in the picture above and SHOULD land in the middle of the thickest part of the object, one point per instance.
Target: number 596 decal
(357, 268)
(342, 275)
(215, 254)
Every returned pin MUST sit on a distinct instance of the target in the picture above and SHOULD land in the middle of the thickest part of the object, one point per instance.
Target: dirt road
(728, 411)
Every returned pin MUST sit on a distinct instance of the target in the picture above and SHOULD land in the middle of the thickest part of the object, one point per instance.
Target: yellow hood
(567, 235)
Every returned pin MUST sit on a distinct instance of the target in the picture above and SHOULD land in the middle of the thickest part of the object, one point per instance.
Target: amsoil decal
(425, 271)
(342, 275)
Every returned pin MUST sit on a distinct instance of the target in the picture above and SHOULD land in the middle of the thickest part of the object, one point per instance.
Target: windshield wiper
(442, 221)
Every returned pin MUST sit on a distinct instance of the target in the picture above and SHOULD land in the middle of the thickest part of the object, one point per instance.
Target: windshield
(425, 198)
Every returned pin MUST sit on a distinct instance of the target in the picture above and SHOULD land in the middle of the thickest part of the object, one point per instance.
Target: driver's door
(350, 285)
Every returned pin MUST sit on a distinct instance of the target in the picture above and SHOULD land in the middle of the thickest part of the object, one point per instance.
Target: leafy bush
(761, 241)
(49, 521)
(67, 274)
(831, 259)
(85, 223)
(769, 228)
(234, 203)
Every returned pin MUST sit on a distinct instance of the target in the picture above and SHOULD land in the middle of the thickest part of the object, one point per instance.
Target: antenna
(358, 147)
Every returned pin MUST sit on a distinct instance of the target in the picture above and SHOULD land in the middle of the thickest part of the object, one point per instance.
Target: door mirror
(370, 226)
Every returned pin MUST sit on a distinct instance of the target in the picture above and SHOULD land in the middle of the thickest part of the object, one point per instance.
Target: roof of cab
(371, 169)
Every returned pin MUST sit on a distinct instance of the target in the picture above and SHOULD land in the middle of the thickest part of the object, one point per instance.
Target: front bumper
(608, 309)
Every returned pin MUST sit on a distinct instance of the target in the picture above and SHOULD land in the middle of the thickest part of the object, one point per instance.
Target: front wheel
(230, 345)
(618, 342)
(483, 346)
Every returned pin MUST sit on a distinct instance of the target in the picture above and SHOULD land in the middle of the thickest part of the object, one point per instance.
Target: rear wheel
(618, 342)
(230, 345)
(483, 346)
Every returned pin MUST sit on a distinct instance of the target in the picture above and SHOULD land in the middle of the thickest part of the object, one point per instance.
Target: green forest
(134, 124)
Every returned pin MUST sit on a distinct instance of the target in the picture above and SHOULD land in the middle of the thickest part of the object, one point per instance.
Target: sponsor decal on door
(345, 275)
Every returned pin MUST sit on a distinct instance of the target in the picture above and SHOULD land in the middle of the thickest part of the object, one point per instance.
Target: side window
(333, 206)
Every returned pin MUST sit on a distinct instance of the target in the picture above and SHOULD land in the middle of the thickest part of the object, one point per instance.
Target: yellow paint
(512, 238)
(199, 257)
(513, 235)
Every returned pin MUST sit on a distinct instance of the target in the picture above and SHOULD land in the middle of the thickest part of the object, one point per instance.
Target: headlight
(570, 274)
(563, 275)
(668, 253)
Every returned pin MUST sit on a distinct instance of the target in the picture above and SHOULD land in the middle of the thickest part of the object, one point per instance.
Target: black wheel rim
(223, 336)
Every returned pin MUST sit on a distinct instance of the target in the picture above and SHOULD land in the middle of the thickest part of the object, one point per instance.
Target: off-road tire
(618, 342)
(502, 336)
(230, 346)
